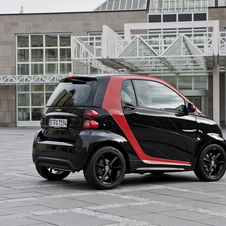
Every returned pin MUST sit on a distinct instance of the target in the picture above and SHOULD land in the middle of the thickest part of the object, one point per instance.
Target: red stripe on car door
(112, 103)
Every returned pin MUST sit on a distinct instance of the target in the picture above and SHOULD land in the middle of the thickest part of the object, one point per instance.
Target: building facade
(120, 36)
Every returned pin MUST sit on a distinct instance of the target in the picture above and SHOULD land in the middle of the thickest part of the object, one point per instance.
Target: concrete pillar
(216, 95)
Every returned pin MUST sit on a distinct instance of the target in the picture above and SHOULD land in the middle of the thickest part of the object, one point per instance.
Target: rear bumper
(57, 155)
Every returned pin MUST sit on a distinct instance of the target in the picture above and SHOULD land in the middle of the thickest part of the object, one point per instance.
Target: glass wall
(40, 54)
(44, 54)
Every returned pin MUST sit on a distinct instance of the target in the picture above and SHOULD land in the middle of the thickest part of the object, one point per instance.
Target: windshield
(69, 94)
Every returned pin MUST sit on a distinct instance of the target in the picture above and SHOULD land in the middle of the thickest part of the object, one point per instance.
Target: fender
(90, 139)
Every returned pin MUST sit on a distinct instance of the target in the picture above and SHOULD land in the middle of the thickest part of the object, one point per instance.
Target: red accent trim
(112, 104)
(71, 77)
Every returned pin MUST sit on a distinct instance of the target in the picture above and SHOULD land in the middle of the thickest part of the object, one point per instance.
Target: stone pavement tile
(7, 205)
(60, 202)
(41, 224)
(204, 186)
(221, 201)
(157, 196)
(205, 204)
(23, 209)
(214, 221)
(182, 194)
(124, 211)
(67, 219)
(18, 222)
(154, 208)
(186, 215)
(20, 194)
(159, 219)
(101, 199)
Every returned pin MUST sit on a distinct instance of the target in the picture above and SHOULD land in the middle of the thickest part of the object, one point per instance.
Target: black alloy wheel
(106, 168)
(52, 174)
(211, 164)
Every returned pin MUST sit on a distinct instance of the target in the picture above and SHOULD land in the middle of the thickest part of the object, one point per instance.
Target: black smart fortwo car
(110, 125)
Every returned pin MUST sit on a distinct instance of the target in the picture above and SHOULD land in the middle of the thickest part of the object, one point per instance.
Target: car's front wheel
(106, 168)
(52, 174)
(211, 163)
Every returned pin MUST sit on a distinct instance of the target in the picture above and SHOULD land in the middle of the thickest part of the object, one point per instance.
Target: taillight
(90, 124)
(90, 113)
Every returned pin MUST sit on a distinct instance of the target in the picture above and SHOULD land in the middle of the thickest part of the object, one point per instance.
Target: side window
(127, 93)
(158, 96)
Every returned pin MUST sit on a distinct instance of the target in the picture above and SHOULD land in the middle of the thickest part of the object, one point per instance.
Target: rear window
(69, 94)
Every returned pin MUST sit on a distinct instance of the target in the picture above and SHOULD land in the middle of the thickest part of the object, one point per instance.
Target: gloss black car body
(109, 125)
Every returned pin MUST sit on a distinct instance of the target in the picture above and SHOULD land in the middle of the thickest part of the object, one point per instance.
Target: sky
(46, 6)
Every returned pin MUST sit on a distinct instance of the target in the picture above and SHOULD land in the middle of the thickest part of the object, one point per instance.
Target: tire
(52, 174)
(211, 163)
(105, 169)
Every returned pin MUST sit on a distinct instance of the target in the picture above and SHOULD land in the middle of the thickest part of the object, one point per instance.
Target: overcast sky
(40, 6)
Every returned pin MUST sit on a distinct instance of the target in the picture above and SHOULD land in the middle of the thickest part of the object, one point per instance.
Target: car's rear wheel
(106, 168)
(52, 174)
(211, 163)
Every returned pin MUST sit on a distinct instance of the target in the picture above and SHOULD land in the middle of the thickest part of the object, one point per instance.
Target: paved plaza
(177, 199)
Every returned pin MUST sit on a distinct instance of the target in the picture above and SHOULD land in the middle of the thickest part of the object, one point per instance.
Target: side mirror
(191, 108)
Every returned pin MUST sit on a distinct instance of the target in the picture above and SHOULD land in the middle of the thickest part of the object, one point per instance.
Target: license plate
(59, 123)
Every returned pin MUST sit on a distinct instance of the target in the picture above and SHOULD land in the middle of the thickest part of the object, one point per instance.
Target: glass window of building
(65, 40)
(31, 99)
(188, 82)
(95, 39)
(22, 41)
(200, 82)
(155, 18)
(185, 17)
(41, 54)
(36, 40)
(199, 16)
(185, 82)
(221, 3)
(172, 80)
(34, 51)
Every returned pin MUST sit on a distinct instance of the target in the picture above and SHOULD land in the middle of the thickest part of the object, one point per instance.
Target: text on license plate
(62, 123)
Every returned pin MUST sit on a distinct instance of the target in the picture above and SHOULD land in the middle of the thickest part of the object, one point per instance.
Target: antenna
(21, 10)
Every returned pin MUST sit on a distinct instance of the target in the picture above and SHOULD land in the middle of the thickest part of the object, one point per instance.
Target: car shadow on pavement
(165, 178)
(130, 180)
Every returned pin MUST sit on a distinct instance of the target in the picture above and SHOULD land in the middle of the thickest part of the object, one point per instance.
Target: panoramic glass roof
(165, 6)
(114, 5)
(160, 6)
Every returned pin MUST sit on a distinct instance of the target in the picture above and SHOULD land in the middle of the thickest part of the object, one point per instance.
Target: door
(157, 117)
